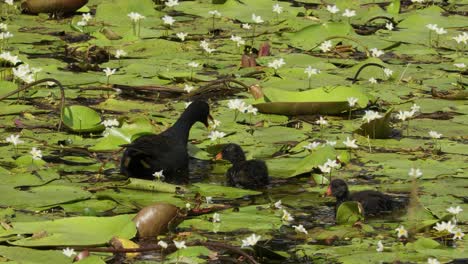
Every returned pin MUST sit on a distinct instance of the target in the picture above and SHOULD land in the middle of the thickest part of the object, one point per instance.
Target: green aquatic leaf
(349, 213)
(80, 118)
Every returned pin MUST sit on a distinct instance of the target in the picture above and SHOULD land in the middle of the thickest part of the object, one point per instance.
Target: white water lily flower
(246, 26)
(172, 3)
(325, 46)
(236, 104)
(188, 206)
(388, 72)
(188, 88)
(215, 135)
(209, 199)
(24, 73)
(352, 101)
(432, 26)
(372, 80)
(9, 2)
(108, 71)
(238, 39)
(376, 52)
(86, 17)
(36, 153)
(215, 123)
(312, 145)
(415, 173)
(120, 53)
(69, 252)
(162, 244)
(389, 26)
(460, 65)
(168, 20)
(440, 227)
(252, 110)
(277, 9)
(215, 13)
(6, 35)
(370, 116)
(252, 240)
(257, 19)
(82, 23)
(440, 31)
(415, 108)
(332, 163)
(311, 71)
(216, 218)
(276, 64)
(324, 168)
(135, 17)
(193, 64)
(321, 121)
(330, 143)
(432, 260)
(110, 123)
(434, 134)
(179, 244)
(206, 46)
(403, 115)
(401, 232)
(8, 57)
(462, 38)
(349, 13)
(181, 35)
(455, 210)
(287, 217)
(14, 139)
(458, 234)
(380, 247)
(158, 175)
(3, 26)
(333, 9)
(278, 204)
(300, 229)
(350, 143)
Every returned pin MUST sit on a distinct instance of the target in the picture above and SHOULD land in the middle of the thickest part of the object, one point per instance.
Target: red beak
(328, 192)
(219, 156)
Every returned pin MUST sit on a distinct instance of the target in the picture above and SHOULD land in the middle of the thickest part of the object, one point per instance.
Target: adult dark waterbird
(251, 174)
(166, 151)
(373, 202)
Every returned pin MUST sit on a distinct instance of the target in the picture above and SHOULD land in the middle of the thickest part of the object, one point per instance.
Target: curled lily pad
(82, 119)
(349, 213)
(156, 219)
(377, 128)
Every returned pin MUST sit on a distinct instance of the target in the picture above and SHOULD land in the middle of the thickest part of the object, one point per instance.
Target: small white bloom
(172, 3)
(236, 104)
(432, 261)
(325, 46)
(312, 145)
(168, 20)
(380, 247)
(82, 23)
(9, 2)
(214, 13)
(458, 234)
(120, 53)
(440, 227)
(352, 101)
(87, 17)
(135, 17)
(333, 9)
(182, 35)
(257, 19)
(455, 210)
(300, 229)
(324, 168)
(349, 13)
(287, 217)
(330, 143)
(238, 39)
(462, 38)
(159, 175)
(350, 143)
(277, 9)
(215, 123)
(401, 232)
(110, 123)
(206, 46)
(246, 26)
(388, 72)
(14, 139)
(3, 26)
(311, 71)
(370, 116)
(403, 115)
(434, 134)
(372, 80)
(278, 204)
(193, 64)
(216, 218)
(250, 241)
(69, 252)
(460, 65)
(188, 206)
(415, 173)
(432, 26)
(251, 110)
(209, 199)
(162, 244)
(376, 52)
(440, 31)
(8, 57)
(321, 121)
(108, 71)
(450, 227)
(418, 1)
(415, 108)
(332, 163)
(215, 135)
(188, 88)
(389, 26)
(276, 64)
(179, 244)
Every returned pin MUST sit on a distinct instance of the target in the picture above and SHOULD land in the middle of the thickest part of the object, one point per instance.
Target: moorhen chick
(166, 151)
(373, 202)
(250, 174)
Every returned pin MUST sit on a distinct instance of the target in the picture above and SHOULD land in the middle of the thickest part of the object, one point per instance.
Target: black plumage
(373, 202)
(166, 151)
(251, 174)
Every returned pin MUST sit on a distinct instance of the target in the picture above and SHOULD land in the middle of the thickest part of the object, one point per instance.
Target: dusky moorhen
(373, 202)
(251, 174)
(166, 151)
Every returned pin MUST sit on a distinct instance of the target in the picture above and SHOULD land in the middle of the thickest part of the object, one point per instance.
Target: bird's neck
(344, 198)
(181, 128)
